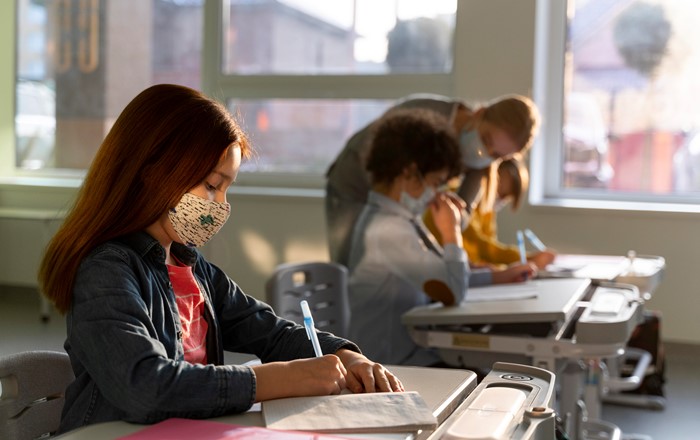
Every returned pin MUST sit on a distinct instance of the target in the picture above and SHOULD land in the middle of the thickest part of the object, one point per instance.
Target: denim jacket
(124, 339)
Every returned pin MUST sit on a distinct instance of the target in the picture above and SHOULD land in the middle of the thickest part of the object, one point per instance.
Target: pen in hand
(310, 329)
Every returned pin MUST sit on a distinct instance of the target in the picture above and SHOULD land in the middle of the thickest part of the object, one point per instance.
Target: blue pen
(310, 329)
(521, 247)
(535, 240)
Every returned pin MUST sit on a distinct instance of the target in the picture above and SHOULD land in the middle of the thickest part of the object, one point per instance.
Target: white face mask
(474, 152)
(197, 220)
(417, 206)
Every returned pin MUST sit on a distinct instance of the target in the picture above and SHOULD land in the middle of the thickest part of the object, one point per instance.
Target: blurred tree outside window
(631, 122)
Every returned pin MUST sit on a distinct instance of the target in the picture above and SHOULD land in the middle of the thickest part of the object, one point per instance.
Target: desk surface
(442, 389)
(596, 267)
(555, 301)
(643, 271)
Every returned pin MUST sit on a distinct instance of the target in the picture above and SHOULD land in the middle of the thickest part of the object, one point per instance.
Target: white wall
(265, 230)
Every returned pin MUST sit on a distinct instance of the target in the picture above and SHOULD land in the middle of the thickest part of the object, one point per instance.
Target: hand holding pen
(321, 375)
(545, 256)
(362, 375)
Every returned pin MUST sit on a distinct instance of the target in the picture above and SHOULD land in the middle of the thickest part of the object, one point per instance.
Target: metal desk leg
(618, 383)
(593, 388)
(571, 408)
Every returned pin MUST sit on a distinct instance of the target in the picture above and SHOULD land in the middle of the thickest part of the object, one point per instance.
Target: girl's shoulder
(132, 249)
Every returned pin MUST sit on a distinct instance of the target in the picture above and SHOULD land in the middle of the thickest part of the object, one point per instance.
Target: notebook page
(357, 413)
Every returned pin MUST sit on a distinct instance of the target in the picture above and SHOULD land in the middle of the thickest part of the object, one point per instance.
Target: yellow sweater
(481, 239)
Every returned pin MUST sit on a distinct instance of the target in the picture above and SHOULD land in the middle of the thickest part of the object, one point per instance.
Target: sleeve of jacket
(402, 250)
(112, 336)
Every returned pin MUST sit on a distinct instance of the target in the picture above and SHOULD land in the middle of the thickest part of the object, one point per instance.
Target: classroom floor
(21, 329)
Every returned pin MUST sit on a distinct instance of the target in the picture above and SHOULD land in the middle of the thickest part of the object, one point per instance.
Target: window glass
(631, 118)
(79, 62)
(308, 37)
(301, 136)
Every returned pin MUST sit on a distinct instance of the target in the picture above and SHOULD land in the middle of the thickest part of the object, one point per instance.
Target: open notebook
(345, 413)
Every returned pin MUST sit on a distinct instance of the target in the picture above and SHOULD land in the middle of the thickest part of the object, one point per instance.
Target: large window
(308, 37)
(306, 74)
(302, 75)
(79, 62)
(618, 82)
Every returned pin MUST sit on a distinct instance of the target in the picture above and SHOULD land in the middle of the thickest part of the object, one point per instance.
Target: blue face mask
(417, 206)
(474, 153)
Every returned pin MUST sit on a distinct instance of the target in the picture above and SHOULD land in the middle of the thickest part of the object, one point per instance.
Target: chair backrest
(322, 284)
(32, 394)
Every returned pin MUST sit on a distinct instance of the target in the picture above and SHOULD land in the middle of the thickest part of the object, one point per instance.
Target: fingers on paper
(394, 381)
(353, 384)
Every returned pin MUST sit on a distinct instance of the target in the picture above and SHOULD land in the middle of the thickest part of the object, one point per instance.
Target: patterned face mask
(197, 220)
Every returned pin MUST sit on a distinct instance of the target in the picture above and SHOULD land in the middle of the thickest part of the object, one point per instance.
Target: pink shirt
(190, 305)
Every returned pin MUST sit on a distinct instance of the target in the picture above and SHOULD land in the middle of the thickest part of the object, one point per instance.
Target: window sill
(23, 197)
(40, 182)
(617, 205)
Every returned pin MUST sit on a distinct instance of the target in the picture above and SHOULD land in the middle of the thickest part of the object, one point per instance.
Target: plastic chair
(32, 393)
(322, 284)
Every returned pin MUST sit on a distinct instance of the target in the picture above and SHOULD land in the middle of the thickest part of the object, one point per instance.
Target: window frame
(230, 86)
(318, 86)
(546, 189)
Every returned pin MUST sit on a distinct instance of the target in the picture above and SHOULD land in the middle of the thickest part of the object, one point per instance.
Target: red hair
(166, 141)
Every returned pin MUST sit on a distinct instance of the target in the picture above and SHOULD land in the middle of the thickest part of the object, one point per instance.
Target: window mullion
(211, 44)
(548, 91)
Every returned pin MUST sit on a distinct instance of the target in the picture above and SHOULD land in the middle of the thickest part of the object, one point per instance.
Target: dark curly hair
(412, 136)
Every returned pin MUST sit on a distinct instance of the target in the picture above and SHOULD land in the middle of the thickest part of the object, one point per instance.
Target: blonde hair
(520, 179)
(517, 115)
(513, 166)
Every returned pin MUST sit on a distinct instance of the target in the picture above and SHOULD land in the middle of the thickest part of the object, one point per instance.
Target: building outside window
(85, 59)
(615, 81)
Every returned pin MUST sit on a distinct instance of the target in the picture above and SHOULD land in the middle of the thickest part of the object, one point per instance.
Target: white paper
(359, 413)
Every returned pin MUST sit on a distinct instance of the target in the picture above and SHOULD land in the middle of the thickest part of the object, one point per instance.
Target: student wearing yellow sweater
(505, 184)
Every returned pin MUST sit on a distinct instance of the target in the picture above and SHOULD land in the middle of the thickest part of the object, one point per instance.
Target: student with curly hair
(485, 131)
(395, 262)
